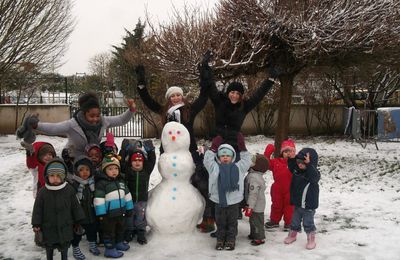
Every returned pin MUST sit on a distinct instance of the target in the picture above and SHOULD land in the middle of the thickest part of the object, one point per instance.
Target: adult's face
(234, 96)
(92, 116)
(176, 99)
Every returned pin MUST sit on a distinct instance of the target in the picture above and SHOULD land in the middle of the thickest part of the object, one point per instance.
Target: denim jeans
(305, 215)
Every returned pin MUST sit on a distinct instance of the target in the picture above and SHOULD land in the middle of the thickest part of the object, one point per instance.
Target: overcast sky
(100, 24)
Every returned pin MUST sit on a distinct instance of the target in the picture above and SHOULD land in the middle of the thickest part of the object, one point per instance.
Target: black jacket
(304, 189)
(138, 182)
(229, 117)
(55, 212)
(86, 203)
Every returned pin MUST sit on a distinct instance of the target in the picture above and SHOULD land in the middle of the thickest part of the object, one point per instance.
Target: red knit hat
(288, 145)
(137, 157)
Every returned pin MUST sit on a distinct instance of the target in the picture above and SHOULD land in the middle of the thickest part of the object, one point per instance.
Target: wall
(47, 113)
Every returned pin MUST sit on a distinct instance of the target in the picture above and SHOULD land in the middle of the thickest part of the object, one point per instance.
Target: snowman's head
(175, 137)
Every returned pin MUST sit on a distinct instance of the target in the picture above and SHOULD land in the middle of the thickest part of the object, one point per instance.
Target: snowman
(174, 205)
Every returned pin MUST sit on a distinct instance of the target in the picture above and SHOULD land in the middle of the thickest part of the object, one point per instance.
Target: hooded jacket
(254, 191)
(211, 163)
(304, 189)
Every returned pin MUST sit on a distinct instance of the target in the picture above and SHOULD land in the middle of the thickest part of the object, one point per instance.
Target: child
(255, 199)
(56, 209)
(137, 178)
(112, 201)
(83, 182)
(304, 193)
(280, 189)
(94, 153)
(42, 153)
(226, 186)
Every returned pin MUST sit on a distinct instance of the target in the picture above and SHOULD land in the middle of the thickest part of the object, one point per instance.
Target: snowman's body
(174, 205)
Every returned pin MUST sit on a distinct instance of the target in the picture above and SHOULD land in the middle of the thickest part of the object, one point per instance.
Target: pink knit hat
(288, 145)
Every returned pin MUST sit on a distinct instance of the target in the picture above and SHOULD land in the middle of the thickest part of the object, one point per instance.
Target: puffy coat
(77, 140)
(211, 163)
(254, 191)
(111, 197)
(304, 189)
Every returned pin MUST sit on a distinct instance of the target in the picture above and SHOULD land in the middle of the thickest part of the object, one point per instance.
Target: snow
(358, 217)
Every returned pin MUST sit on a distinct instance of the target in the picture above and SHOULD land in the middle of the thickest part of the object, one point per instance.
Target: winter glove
(140, 75)
(240, 142)
(247, 212)
(148, 145)
(131, 104)
(216, 142)
(206, 73)
(25, 131)
(275, 71)
(269, 149)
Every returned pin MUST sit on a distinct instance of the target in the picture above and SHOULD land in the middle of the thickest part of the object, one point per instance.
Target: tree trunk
(285, 100)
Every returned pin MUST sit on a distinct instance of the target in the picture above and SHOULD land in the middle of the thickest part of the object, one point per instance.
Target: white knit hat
(173, 90)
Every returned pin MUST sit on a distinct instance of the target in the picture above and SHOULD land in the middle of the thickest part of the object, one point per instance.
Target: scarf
(174, 114)
(92, 132)
(82, 184)
(228, 181)
(58, 187)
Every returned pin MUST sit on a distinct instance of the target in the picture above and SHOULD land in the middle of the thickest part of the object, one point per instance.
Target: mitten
(206, 73)
(148, 145)
(275, 71)
(240, 142)
(269, 149)
(247, 212)
(140, 75)
(216, 142)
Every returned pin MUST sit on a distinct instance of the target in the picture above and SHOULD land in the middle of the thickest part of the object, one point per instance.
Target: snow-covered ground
(358, 217)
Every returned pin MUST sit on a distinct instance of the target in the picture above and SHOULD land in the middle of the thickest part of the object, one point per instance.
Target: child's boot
(112, 253)
(93, 248)
(270, 224)
(291, 237)
(122, 246)
(311, 240)
(210, 226)
(141, 238)
(77, 254)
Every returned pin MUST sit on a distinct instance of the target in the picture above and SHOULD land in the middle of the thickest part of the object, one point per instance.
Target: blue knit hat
(225, 151)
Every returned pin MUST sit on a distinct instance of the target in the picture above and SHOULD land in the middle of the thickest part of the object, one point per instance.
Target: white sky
(100, 24)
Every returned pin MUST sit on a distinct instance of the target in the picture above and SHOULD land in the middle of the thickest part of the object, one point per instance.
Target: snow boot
(219, 245)
(112, 253)
(141, 238)
(286, 227)
(210, 226)
(77, 254)
(230, 245)
(271, 224)
(121, 246)
(291, 237)
(257, 242)
(93, 248)
(311, 240)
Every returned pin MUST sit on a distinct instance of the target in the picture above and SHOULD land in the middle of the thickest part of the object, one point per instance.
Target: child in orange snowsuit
(280, 189)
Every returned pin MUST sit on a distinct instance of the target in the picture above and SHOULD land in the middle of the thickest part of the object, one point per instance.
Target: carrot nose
(173, 138)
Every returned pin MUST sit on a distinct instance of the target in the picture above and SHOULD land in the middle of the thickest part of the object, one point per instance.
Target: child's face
(47, 158)
(289, 153)
(95, 156)
(54, 179)
(225, 159)
(84, 172)
(112, 171)
(137, 165)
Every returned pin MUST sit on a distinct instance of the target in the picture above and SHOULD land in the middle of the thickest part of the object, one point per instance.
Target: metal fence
(134, 128)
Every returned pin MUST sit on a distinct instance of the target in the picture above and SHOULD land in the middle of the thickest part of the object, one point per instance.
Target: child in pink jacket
(280, 189)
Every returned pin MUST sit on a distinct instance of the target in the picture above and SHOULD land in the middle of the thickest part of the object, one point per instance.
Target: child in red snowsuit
(280, 189)
(36, 160)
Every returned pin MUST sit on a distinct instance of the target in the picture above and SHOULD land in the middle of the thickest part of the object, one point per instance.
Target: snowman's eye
(170, 132)
(178, 132)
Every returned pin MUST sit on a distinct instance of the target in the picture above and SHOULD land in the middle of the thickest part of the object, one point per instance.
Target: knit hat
(56, 168)
(107, 161)
(88, 101)
(89, 147)
(45, 149)
(260, 163)
(137, 156)
(225, 151)
(173, 90)
(235, 86)
(288, 145)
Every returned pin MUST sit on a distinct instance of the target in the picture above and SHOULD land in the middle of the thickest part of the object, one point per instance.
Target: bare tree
(34, 32)
(100, 65)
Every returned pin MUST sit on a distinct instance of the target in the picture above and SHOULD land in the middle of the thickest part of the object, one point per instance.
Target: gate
(134, 128)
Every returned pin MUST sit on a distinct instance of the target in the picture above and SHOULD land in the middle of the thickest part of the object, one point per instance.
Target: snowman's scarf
(82, 184)
(174, 114)
(228, 180)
